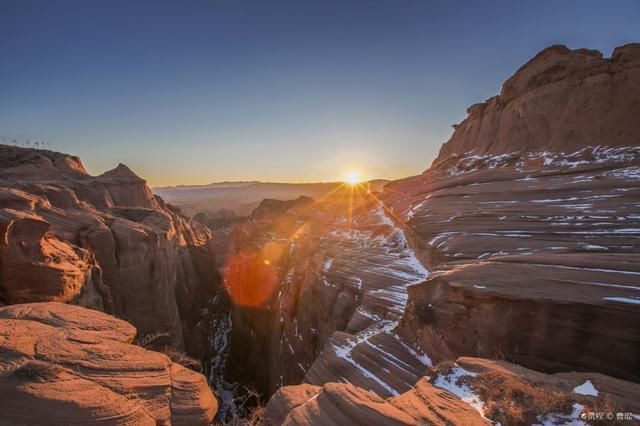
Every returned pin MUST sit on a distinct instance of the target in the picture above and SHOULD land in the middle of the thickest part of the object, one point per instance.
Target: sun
(352, 177)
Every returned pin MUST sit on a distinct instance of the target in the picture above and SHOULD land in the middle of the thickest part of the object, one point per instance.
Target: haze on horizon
(196, 92)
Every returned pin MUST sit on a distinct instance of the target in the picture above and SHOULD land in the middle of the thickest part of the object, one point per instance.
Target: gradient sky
(203, 91)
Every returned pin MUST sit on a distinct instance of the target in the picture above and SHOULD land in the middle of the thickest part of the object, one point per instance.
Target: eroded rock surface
(104, 242)
(318, 290)
(534, 244)
(64, 364)
(343, 404)
(469, 391)
(561, 100)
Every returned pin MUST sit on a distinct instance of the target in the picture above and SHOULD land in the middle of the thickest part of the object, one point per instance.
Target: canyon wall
(318, 288)
(561, 100)
(529, 222)
(104, 242)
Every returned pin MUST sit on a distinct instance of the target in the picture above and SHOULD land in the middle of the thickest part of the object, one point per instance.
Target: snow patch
(453, 383)
(556, 419)
(624, 300)
(327, 264)
(586, 388)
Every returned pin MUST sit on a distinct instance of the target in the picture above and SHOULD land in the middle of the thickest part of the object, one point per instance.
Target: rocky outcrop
(532, 235)
(561, 100)
(344, 404)
(104, 242)
(317, 291)
(471, 391)
(63, 364)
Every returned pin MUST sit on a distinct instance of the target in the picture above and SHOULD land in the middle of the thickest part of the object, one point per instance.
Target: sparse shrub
(182, 358)
(36, 371)
(250, 410)
(147, 340)
(510, 399)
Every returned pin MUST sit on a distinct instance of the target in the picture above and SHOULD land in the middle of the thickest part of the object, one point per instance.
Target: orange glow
(252, 274)
(352, 177)
(250, 278)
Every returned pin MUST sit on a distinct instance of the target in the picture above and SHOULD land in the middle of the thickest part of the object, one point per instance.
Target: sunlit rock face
(469, 391)
(63, 364)
(318, 289)
(531, 227)
(562, 100)
(344, 404)
(104, 242)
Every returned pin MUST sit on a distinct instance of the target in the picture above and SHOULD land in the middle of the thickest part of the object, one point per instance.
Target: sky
(199, 91)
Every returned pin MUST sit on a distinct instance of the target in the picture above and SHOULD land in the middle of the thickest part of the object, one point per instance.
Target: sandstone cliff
(528, 221)
(63, 364)
(104, 242)
(561, 100)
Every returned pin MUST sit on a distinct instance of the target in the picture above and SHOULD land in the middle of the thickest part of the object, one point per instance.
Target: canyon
(499, 286)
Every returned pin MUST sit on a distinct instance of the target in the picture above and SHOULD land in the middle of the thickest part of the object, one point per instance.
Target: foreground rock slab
(342, 404)
(64, 364)
(469, 391)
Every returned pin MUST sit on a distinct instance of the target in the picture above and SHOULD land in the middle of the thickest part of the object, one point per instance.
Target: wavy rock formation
(534, 244)
(104, 242)
(318, 289)
(344, 404)
(471, 391)
(64, 364)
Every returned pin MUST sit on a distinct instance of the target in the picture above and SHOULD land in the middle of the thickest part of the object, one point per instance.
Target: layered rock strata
(534, 246)
(318, 288)
(63, 364)
(470, 391)
(104, 242)
(528, 223)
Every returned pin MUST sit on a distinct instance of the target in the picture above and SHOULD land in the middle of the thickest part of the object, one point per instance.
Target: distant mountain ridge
(243, 183)
(243, 197)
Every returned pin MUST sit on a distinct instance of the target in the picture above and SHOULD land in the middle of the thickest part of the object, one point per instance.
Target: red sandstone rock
(104, 242)
(344, 404)
(471, 391)
(318, 288)
(63, 364)
(561, 100)
(528, 221)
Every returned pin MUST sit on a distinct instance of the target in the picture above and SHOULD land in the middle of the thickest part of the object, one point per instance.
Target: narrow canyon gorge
(500, 286)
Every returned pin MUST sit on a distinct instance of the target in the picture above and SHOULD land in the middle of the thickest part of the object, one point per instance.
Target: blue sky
(203, 91)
